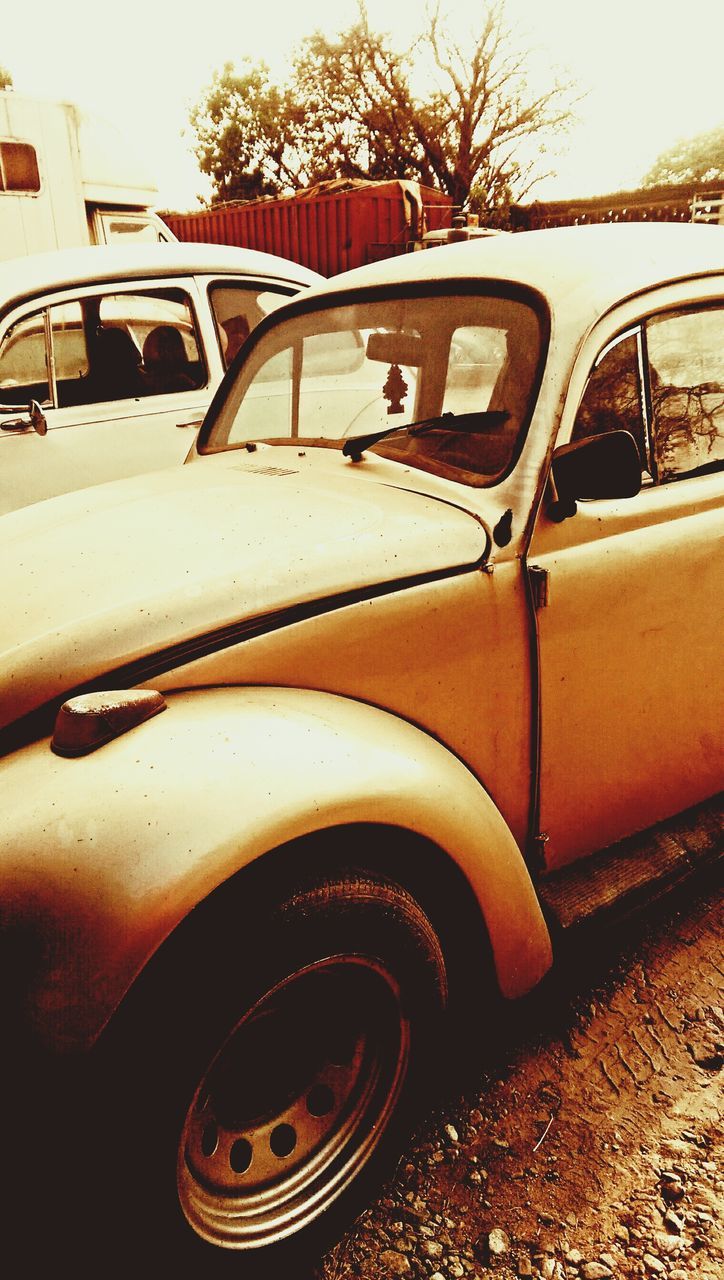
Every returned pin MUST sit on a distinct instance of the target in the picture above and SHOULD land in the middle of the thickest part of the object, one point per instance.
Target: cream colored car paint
(393, 604)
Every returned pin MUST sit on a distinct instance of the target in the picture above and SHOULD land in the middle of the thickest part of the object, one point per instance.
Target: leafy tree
(6, 79)
(245, 128)
(699, 159)
(352, 110)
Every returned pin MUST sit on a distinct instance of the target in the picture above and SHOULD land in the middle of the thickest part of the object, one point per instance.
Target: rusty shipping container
(327, 228)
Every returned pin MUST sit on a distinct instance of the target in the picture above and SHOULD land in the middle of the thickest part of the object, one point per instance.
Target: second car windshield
(333, 374)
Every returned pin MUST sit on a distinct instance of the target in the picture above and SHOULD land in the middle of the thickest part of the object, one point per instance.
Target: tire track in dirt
(604, 1115)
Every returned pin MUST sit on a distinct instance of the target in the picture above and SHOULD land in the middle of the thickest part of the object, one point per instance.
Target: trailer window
(18, 167)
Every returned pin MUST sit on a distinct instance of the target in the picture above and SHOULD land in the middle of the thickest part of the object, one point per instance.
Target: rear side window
(18, 167)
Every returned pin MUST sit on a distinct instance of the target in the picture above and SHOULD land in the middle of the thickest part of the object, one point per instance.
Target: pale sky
(651, 69)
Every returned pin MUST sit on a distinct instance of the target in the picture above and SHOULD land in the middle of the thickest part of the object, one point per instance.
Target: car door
(84, 357)
(631, 699)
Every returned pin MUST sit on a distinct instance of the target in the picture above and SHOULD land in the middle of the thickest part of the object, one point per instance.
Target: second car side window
(237, 310)
(686, 371)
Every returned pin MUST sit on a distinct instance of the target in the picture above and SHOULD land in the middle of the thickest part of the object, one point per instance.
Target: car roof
(580, 270)
(41, 272)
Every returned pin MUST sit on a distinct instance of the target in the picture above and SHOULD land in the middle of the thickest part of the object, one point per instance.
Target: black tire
(259, 1090)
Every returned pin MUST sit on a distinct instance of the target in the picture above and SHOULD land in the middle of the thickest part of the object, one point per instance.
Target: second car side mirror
(605, 466)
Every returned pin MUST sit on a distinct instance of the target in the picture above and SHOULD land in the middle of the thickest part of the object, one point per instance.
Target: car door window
(613, 400)
(103, 347)
(686, 372)
(237, 309)
(23, 364)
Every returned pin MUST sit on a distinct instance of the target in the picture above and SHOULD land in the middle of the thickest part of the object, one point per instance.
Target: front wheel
(288, 1074)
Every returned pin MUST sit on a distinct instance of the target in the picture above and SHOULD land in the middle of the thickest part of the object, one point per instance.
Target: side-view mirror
(605, 466)
(36, 418)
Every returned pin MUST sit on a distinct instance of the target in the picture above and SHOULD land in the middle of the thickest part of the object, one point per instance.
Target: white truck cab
(68, 179)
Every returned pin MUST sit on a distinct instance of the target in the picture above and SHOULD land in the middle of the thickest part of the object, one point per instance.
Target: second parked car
(113, 355)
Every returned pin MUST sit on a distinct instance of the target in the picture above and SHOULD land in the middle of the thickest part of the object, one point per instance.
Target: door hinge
(539, 585)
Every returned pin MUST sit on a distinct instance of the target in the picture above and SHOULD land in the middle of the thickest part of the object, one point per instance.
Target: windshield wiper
(473, 423)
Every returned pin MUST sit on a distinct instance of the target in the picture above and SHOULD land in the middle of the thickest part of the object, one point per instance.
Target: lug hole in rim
(209, 1139)
(320, 1100)
(283, 1140)
(241, 1155)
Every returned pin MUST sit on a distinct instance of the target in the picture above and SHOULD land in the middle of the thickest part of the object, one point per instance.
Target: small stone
(456, 1270)
(595, 1271)
(547, 1267)
(622, 1234)
(476, 1116)
(452, 1133)
(404, 1245)
(678, 1273)
(654, 1265)
(432, 1248)
(524, 1267)
(667, 1244)
(498, 1242)
(672, 1192)
(474, 1177)
(607, 1260)
(396, 1263)
(501, 1142)
(437, 1275)
(575, 1257)
(437, 1157)
(673, 1222)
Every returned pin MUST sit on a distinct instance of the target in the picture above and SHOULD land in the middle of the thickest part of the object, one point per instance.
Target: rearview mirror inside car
(395, 348)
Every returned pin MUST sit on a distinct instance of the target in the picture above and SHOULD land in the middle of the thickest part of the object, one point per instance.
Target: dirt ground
(590, 1144)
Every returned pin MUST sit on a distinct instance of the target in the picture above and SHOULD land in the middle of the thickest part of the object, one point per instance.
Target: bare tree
(352, 110)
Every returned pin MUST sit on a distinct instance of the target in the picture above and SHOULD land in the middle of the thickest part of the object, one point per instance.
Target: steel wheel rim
(294, 1104)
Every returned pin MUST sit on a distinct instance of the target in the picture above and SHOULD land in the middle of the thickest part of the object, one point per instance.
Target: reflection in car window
(355, 369)
(686, 369)
(612, 400)
(237, 309)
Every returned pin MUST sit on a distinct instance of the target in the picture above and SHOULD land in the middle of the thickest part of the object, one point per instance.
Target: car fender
(106, 854)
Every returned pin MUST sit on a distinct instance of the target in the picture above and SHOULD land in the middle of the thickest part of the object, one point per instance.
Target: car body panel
(617, 650)
(92, 907)
(131, 568)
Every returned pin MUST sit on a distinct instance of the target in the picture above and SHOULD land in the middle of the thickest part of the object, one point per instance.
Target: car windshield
(336, 373)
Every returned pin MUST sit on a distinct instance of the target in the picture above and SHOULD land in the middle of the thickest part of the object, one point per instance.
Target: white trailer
(69, 179)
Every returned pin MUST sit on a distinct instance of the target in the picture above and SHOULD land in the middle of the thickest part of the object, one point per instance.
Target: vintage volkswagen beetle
(426, 691)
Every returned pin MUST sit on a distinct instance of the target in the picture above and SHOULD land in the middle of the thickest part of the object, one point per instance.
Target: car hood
(104, 577)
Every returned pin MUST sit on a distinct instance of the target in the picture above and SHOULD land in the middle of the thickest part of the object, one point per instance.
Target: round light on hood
(86, 722)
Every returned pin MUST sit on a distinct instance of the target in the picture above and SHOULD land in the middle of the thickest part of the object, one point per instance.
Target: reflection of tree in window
(612, 399)
(686, 369)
